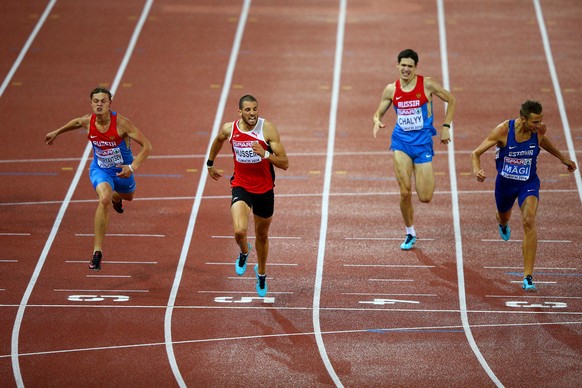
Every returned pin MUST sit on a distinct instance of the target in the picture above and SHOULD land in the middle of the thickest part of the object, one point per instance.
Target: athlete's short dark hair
(408, 53)
(244, 99)
(529, 107)
(100, 90)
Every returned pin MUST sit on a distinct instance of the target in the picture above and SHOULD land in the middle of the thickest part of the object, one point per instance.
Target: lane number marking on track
(98, 298)
(243, 299)
(553, 305)
(378, 301)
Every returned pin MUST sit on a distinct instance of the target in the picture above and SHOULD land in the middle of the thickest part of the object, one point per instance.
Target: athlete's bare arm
(126, 128)
(79, 122)
(383, 107)
(497, 136)
(215, 148)
(278, 157)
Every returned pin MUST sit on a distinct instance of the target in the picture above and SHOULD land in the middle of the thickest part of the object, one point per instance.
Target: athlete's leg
(262, 241)
(125, 196)
(424, 181)
(503, 218)
(403, 169)
(529, 209)
(105, 194)
(240, 221)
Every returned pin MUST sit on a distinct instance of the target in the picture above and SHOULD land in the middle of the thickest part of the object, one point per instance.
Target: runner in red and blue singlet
(111, 172)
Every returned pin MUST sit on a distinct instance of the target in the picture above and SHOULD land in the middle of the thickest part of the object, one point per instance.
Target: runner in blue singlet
(518, 144)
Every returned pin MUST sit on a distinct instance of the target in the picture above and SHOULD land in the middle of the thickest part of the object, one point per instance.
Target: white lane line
(537, 268)
(270, 237)
(63, 208)
(558, 93)
(519, 241)
(455, 207)
(374, 293)
(371, 331)
(113, 262)
(199, 193)
(385, 238)
(108, 276)
(120, 235)
(86, 290)
(389, 265)
(391, 280)
(250, 262)
(14, 234)
(26, 46)
(241, 292)
(8, 261)
(533, 296)
(283, 195)
(326, 190)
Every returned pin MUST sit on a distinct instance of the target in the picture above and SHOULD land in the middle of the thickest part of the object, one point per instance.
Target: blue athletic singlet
(518, 161)
(413, 115)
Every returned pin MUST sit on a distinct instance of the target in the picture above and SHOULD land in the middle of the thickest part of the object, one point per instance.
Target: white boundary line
(455, 209)
(199, 194)
(418, 329)
(558, 92)
(26, 46)
(326, 190)
(63, 209)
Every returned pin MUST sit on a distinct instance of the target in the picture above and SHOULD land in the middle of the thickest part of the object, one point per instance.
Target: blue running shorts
(419, 153)
(507, 190)
(98, 175)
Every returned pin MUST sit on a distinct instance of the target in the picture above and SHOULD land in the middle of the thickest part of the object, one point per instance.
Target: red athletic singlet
(109, 148)
(251, 172)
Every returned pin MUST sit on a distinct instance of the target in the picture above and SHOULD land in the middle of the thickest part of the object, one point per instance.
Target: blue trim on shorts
(419, 153)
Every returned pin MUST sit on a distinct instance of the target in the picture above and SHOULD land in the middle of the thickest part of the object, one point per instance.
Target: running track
(345, 306)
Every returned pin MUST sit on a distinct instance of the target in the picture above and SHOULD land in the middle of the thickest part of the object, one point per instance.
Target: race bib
(410, 119)
(108, 158)
(516, 169)
(244, 153)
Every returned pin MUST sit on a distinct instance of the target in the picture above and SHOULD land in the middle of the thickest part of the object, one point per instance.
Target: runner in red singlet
(257, 149)
(113, 165)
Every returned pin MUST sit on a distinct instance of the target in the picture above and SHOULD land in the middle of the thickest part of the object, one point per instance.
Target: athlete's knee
(105, 198)
(425, 197)
(529, 223)
(405, 194)
(240, 232)
(126, 196)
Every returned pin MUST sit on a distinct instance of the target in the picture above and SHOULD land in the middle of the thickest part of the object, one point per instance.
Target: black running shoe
(96, 261)
(118, 206)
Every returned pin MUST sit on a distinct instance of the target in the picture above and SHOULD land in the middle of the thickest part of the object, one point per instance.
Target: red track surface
(114, 327)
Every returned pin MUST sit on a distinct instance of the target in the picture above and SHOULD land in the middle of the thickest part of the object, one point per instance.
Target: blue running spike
(504, 232)
(408, 242)
(241, 262)
(261, 283)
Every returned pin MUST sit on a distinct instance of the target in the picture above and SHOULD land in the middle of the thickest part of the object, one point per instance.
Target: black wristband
(447, 125)
(209, 163)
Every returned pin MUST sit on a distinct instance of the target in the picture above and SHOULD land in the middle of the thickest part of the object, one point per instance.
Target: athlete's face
(407, 68)
(100, 103)
(533, 122)
(249, 113)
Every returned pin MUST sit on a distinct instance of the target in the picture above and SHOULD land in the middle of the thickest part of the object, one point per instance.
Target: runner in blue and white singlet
(517, 170)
